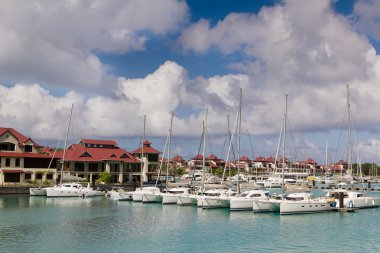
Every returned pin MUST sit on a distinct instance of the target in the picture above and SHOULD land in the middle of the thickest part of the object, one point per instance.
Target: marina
(40, 224)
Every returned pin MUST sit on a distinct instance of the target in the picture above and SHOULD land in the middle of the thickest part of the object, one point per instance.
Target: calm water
(38, 224)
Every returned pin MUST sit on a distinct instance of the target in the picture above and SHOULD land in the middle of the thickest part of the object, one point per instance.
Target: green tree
(104, 177)
(366, 169)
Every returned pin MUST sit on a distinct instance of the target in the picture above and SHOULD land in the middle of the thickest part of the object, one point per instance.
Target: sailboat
(137, 195)
(41, 191)
(347, 198)
(168, 197)
(297, 202)
(71, 189)
(223, 199)
(195, 198)
(273, 204)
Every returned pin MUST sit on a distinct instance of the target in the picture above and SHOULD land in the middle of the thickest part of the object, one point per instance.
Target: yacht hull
(312, 206)
(37, 191)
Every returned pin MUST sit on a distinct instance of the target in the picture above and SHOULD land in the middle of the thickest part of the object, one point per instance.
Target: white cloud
(156, 95)
(286, 39)
(55, 42)
(369, 17)
(33, 110)
(369, 150)
(301, 48)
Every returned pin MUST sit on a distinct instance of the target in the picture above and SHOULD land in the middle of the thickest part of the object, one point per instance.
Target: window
(38, 175)
(79, 167)
(49, 176)
(12, 177)
(17, 163)
(7, 146)
(7, 162)
(28, 176)
(28, 148)
(114, 167)
(93, 167)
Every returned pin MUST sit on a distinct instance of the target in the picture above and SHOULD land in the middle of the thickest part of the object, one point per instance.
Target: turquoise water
(38, 224)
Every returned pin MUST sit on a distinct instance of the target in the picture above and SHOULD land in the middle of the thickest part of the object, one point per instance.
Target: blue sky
(119, 60)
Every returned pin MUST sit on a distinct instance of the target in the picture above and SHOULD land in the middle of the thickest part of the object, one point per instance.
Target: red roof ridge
(20, 137)
(99, 142)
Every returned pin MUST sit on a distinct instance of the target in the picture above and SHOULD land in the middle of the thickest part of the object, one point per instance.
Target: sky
(117, 61)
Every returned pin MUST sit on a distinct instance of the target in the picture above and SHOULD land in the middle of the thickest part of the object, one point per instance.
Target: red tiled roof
(281, 159)
(197, 157)
(213, 157)
(260, 159)
(147, 149)
(75, 152)
(341, 162)
(21, 138)
(50, 151)
(99, 142)
(270, 159)
(244, 158)
(178, 158)
(310, 161)
(336, 167)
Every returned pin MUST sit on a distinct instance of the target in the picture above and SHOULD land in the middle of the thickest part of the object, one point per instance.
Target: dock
(344, 209)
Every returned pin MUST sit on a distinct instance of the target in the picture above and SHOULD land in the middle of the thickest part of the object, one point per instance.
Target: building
(149, 157)
(90, 157)
(22, 160)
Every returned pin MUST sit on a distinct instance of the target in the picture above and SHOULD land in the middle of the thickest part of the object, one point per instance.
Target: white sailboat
(298, 202)
(347, 198)
(41, 191)
(70, 189)
(273, 204)
(221, 198)
(158, 197)
(137, 195)
(245, 200)
(193, 198)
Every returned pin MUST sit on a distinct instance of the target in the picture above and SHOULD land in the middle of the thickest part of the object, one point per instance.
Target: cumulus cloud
(55, 42)
(285, 38)
(300, 48)
(24, 106)
(369, 17)
(33, 110)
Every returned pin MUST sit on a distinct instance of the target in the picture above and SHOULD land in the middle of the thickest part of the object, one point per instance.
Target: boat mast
(229, 144)
(349, 131)
(64, 149)
(238, 140)
(326, 158)
(204, 152)
(142, 154)
(168, 162)
(284, 141)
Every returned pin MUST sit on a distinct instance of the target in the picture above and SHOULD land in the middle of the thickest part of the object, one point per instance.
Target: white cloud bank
(301, 48)
(55, 42)
(37, 112)
(298, 47)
